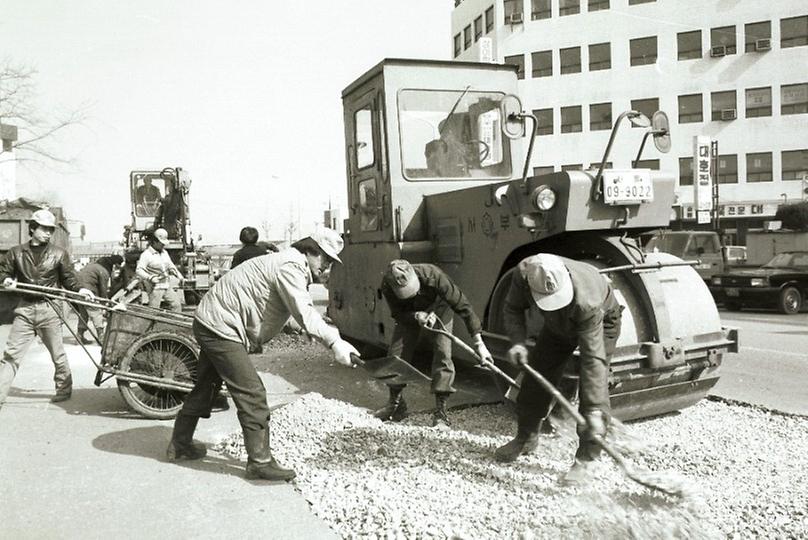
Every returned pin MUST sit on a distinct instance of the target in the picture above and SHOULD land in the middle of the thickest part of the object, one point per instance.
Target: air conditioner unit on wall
(718, 51)
(763, 45)
(514, 18)
(728, 114)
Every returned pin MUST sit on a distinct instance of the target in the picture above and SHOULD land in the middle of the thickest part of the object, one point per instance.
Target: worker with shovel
(245, 308)
(580, 311)
(421, 295)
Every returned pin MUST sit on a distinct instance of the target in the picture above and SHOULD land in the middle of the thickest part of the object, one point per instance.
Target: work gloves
(343, 351)
(517, 355)
(9, 283)
(426, 319)
(482, 350)
(87, 294)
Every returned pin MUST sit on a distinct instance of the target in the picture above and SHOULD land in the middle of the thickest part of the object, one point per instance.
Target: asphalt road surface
(771, 368)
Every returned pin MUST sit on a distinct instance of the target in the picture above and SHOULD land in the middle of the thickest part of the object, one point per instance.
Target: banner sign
(703, 180)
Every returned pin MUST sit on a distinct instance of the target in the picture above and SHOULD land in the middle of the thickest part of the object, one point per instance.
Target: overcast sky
(244, 95)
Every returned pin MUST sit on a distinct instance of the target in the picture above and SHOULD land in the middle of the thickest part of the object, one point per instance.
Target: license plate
(631, 186)
(732, 291)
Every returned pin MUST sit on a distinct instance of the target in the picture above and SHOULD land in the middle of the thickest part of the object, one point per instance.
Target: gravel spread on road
(745, 468)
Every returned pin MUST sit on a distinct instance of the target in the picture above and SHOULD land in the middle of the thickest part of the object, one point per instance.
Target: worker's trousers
(406, 337)
(33, 319)
(157, 297)
(224, 360)
(87, 315)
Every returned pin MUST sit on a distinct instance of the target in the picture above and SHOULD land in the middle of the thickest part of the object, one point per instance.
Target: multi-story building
(736, 71)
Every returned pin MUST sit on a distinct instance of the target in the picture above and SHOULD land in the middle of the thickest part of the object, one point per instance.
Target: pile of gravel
(746, 470)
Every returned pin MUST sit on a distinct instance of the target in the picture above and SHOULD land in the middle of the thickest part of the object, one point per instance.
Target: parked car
(704, 246)
(781, 283)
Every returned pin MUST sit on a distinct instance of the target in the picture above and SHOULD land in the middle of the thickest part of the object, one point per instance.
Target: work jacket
(156, 263)
(251, 304)
(55, 269)
(246, 253)
(437, 291)
(95, 278)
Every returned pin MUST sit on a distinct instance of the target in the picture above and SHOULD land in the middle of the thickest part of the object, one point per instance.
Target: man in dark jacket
(418, 295)
(38, 262)
(580, 310)
(249, 249)
(96, 278)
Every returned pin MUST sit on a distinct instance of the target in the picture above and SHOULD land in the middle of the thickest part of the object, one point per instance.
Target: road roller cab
(436, 156)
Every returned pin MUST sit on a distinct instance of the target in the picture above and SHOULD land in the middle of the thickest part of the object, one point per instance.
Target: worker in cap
(38, 262)
(580, 311)
(248, 306)
(419, 295)
(155, 269)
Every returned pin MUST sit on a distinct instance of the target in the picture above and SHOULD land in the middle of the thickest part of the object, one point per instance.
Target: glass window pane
(758, 102)
(457, 45)
(543, 169)
(600, 56)
(723, 37)
(722, 105)
(795, 164)
(690, 109)
(544, 125)
(643, 51)
(728, 169)
(363, 132)
(518, 61)
(689, 45)
(794, 32)
(571, 119)
(540, 9)
(600, 116)
(489, 19)
(467, 37)
(597, 5)
(646, 106)
(652, 164)
(478, 28)
(794, 98)
(573, 167)
(754, 32)
(635, 2)
(569, 7)
(570, 60)
(368, 205)
(513, 9)
(686, 171)
(759, 167)
(542, 63)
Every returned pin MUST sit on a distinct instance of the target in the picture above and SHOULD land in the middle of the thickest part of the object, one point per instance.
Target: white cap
(44, 218)
(161, 235)
(549, 281)
(329, 241)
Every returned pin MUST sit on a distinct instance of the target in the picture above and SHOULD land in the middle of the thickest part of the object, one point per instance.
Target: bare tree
(266, 226)
(37, 133)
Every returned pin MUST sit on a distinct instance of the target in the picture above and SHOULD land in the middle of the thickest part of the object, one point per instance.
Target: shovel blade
(392, 370)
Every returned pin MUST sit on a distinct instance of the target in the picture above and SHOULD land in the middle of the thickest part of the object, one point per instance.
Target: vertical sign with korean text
(486, 50)
(702, 179)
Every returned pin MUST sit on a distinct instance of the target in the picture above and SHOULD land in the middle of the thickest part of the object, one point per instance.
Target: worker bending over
(420, 295)
(579, 310)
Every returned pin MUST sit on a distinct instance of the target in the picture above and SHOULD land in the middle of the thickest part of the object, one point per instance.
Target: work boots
(440, 419)
(396, 408)
(260, 463)
(182, 445)
(523, 443)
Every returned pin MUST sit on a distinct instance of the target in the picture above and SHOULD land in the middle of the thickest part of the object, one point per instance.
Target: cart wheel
(162, 354)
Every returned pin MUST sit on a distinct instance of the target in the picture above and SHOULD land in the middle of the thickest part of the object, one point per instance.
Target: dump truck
(437, 160)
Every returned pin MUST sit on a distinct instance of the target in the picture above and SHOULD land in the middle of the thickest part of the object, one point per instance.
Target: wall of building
(665, 79)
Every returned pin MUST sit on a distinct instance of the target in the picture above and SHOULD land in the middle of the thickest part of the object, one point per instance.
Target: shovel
(391, 370)
(669, 483)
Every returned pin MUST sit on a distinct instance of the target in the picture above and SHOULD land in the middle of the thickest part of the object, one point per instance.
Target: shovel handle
(356, 360)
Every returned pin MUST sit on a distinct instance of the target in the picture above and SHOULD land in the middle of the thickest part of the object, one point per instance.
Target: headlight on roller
(544, 198)
(758, 282)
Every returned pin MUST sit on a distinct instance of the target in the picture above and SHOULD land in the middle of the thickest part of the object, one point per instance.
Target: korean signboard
(703, 180)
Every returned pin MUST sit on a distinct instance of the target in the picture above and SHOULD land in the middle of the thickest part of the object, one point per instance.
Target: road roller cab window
(147, 192)
(452, 134)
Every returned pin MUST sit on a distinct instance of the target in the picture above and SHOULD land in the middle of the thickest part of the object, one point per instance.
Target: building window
(685, 171)
(573, 167)
(571, 119)
(722, 106)
(478, 28)
(598, 5)
(517, 60)
(540, 9)
(794, 32)
(690, 109)
(542, 64)
(600, 116)
(728, 169)
(758, 102)
(513, 11)
(652, 164)
(570, 60)
(722, 41)
(467, 37)
(757, 36)
(688, 45)
(759, 167)
(646, 106)
(794, 98)
(795, 164)
(596, 165)
(489, 19)
(543, 169)
(544, 124)
(600, 56)
(643, 51)
(457, 46)
(635, 2)
(569, 7)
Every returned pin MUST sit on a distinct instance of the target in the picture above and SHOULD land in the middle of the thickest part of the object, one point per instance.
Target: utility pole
(715, 194)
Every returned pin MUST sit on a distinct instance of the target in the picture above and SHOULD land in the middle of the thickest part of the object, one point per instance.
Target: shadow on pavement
(151, 443)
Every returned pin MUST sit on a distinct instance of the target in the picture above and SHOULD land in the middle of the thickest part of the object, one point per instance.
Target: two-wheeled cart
(151, 353)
